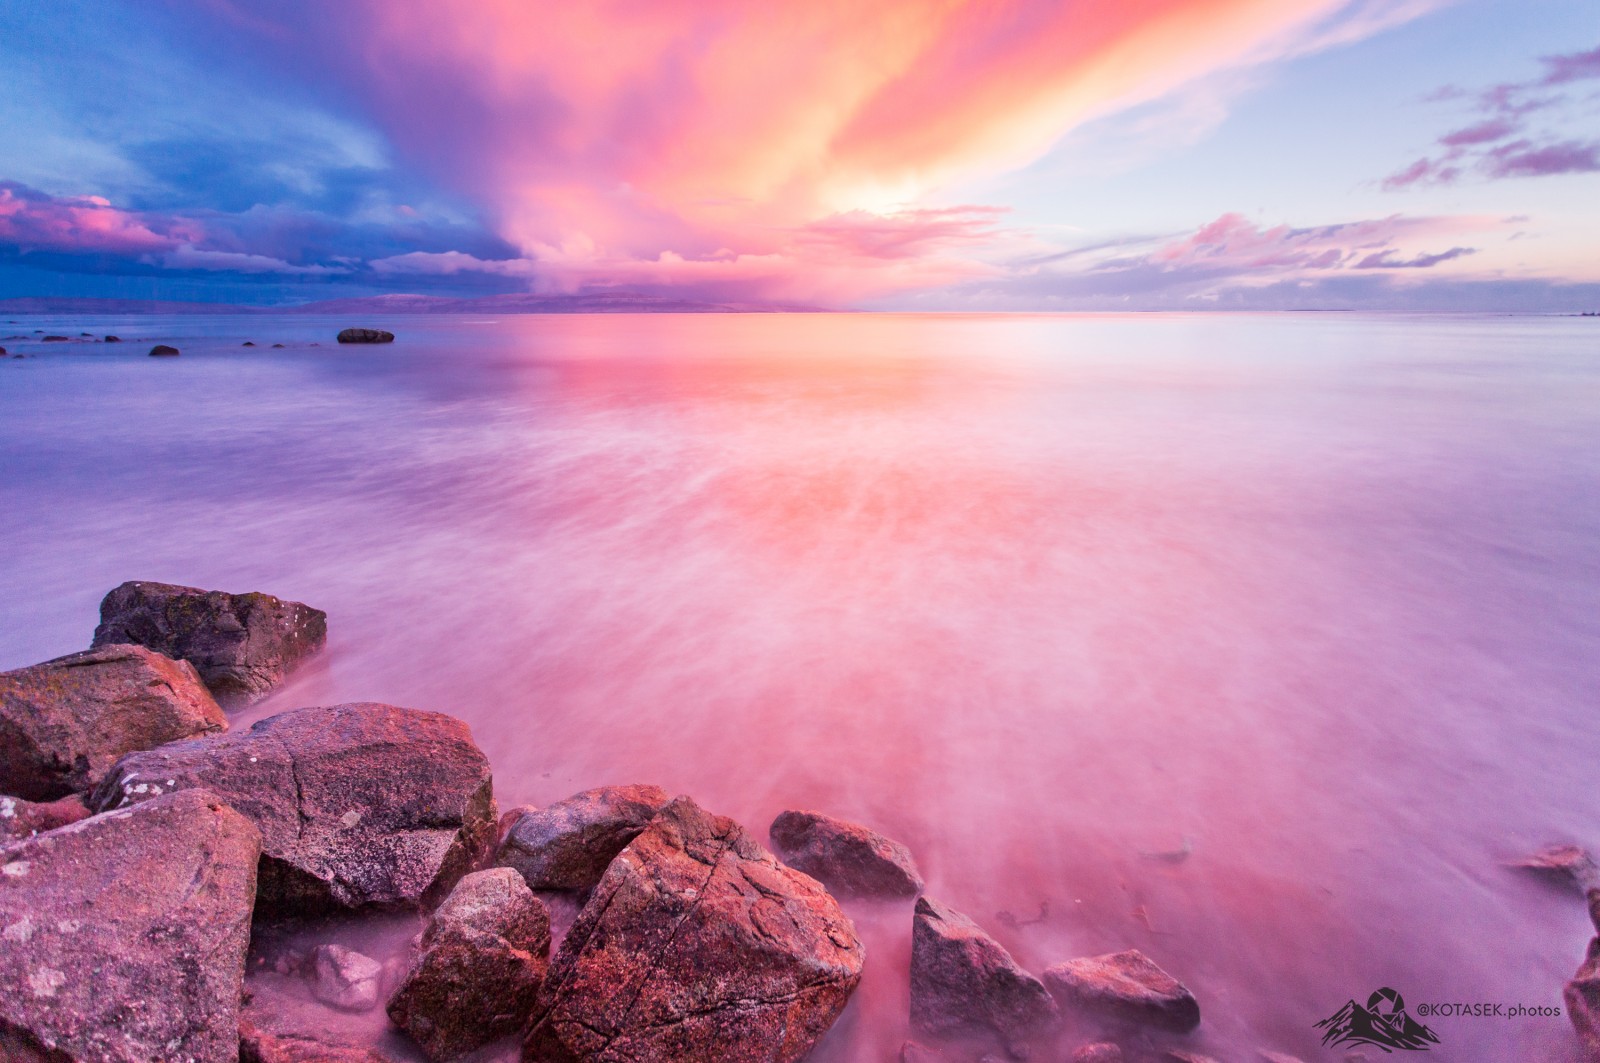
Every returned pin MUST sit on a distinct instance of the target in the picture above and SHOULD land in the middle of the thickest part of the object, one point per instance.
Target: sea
(1261, 643)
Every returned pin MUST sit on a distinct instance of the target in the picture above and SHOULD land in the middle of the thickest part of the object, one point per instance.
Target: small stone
(344, 978)
(161, 350)
(846, 857)
(1125, 986)
(365, 335)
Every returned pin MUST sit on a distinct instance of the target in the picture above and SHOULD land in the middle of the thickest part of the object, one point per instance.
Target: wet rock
(113, 339)
(279, 346)
(344, 978)
(124, 935)
(361, 804)
(256, 1045)
(697, 944)
(1125, 986)
(479, 968)
(1098, 1052)
(64, 723)
(1582, 996)
(2, 350)
(161, 350)
(1563, 865)
(23, 819)
(64, 339)
(243, 645)
(365, 335)
(248, 343)
(846, 857)
(568, 845)
(962, 978)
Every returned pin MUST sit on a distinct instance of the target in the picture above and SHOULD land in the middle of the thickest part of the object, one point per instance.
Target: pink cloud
(1482, 133)
(33, 221)
(1233, 245)
(1575, 66)
(1522, 159)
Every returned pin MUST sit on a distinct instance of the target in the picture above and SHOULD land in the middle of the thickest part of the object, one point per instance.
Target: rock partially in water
(113, 339)
(479, 968)
(1563, 865)
(568, 845)
(1125, 986)
(361, 804)
(64, 723)
(160, 350)
(23, 819)
(124, 935)
(64, 339)
(248, 343)
(256, 1045)
(344, 978)
(846, 857)
(365, 335)
(1582, 996)
(963, 979)
(697, 944)
(243, 645)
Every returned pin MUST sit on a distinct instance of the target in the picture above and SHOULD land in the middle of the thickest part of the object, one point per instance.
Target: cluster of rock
(143, 840)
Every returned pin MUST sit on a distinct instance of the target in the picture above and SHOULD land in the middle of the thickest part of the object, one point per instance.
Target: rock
(962, 978)
(365, 335)
(243, 645)
(258, 1046)
(1582, 995)
(64, 339)
(1098, 1052)
(161, 350)
(248, 343)
(1593, 899)
(124, 935)
(279, 346)
(64, 723)
(846, 857)
(568, 845)
(697, 944)
(1563, 865)
(508, 819)
(1125, 986)
(2, 350)
(23, 819)
(344, 978)
(113, 339)
(482, 960)
(361, 804)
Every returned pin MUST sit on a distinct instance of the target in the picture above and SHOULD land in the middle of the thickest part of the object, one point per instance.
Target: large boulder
(361, 804)
(569, 845)
(1125, 986)
(23, 819)
(365, 335)
(243, 645)
(478, 970)
(846, 857)
(124, 935)
(64, 723)
(697, 944)
(963, 979)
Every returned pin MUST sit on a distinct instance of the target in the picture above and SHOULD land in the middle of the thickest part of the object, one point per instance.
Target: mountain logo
(1383, 1023)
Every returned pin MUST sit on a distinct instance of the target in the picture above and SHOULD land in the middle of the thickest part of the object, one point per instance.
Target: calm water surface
(1316, 597)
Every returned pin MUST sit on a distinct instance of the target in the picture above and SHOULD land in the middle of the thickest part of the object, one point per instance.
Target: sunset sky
(899, 154)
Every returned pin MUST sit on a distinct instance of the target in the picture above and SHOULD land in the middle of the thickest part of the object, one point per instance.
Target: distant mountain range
(610, 302)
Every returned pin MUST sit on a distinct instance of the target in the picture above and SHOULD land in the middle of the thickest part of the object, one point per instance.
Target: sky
(981, 155)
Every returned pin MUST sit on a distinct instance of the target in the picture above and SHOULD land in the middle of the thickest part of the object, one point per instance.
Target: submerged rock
(1563, 865)
(243, 645)
(362, 804)
(568, 845)
(961, 978)
(124, 936)
(64, 723)
(1125, 986)
(697, 944)
(479, 968)
(365, 335)
(257, 1045)
(845, 857)
(160, 350)
(23, 819)
(344, 978)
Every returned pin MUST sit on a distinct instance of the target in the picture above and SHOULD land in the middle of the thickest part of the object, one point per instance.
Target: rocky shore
(158, 867)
